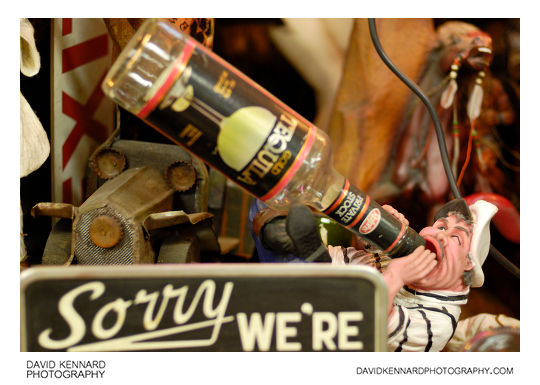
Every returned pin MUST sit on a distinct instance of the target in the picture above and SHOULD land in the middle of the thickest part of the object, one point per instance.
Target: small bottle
(202, 103)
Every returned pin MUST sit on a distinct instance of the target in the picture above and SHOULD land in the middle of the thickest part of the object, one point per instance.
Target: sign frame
(213, 271)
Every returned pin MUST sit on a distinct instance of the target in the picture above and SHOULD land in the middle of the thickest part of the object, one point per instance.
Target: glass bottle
(204, 104)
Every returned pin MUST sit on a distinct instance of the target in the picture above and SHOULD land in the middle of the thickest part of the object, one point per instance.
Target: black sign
(230, 307)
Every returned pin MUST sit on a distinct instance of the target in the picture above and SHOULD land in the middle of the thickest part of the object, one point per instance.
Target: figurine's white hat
(482, 212)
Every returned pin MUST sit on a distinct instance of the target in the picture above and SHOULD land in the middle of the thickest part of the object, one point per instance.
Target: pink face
(450, 239)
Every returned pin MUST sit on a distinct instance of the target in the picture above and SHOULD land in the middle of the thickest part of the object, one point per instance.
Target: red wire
(468, 157)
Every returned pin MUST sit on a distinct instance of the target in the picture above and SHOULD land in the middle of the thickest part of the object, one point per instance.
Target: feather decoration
(447, 97)
(475, 100)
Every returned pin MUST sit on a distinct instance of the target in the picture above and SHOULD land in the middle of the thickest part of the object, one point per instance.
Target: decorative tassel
(467, 157)
(474, 105)
(448, 95)
(479, 151)
(455, 134)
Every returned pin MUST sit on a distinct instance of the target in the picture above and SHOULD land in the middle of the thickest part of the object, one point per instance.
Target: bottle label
(371, 222)
(358, 212)
(217, 113)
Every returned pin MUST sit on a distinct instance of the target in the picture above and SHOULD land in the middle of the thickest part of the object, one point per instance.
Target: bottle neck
(359, 213)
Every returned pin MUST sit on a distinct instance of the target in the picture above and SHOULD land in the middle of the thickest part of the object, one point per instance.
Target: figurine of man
(427, 287)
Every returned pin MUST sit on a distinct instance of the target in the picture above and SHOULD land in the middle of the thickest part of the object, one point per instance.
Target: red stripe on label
(84, 52)
(401, 232)
(294, 167)
(67, 26)
(338, 201)
(361, 214)
(176, 70)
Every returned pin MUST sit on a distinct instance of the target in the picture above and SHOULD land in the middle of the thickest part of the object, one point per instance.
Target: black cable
(503, 261)
(440, 135)
(425, 100)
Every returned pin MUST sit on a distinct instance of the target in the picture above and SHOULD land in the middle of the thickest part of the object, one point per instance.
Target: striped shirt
(422, 321)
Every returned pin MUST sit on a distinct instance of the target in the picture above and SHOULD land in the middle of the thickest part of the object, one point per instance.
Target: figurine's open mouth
(480, 58)
(434, 246)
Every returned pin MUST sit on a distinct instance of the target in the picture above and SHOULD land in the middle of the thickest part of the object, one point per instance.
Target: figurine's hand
(405, 270)
(396, 214)
(412, 267)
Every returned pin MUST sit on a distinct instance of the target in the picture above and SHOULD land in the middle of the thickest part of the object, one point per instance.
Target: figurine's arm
(405, 270)
(501, 111)
(400, 271)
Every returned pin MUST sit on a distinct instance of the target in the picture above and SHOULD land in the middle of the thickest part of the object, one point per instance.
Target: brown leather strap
(264, 216)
